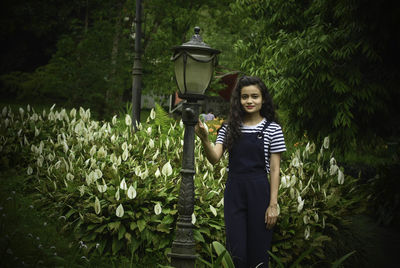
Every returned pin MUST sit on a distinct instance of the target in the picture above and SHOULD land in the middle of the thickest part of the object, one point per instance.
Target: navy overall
(246, 200)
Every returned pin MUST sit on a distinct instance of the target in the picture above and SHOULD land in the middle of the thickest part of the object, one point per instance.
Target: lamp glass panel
(198, 74)
(179, 73)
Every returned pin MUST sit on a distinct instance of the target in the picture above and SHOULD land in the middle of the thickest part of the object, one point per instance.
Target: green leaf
(141, 224)
(121, 231)
(227, 260)
(342, 259)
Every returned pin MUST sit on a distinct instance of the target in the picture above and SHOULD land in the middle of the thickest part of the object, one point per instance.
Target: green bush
(116, 191)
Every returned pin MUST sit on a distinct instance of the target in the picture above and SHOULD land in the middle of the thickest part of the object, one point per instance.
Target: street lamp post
(194, 66)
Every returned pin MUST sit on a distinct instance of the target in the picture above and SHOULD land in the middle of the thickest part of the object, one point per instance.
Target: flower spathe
(167, 169)
(131, 192)
(120, 211)
(157, 209)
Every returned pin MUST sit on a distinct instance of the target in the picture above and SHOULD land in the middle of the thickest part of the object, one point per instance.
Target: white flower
(151, 143)
(120, 211)
(69, 176)
(340, 177)
(72, 113)
(316, 217)
(301, 204)
(193, 218)
(222, 171)
(98, 174)
(307, 233)
(158, 173)
(167, 143)
(326, 142)
(166, 169)
(131, 192)
(97, 207)
(117, 195)
(284, 181)
(101, 152)
(29, 171)
(213, 210)
(295, 162)
(122, 185)
(152, 114)
(157, 209)
(148, 131)
(125, 155)
(221, 202)
(114, 120)
(128, 120)
(102, 188)
(124, 146)
(21, 112)
(333, 169)
(92, 150)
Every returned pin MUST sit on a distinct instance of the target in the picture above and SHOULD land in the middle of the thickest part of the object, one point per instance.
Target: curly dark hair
(237, 112)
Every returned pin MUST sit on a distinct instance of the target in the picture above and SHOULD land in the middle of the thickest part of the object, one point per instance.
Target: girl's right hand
(201, 131)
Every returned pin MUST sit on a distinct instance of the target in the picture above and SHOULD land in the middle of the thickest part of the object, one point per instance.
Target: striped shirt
(274, 141)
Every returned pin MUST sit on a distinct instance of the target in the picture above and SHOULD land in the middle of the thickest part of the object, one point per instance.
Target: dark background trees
(332, 65)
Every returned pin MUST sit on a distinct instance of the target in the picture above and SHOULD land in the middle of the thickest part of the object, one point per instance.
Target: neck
(252, 119)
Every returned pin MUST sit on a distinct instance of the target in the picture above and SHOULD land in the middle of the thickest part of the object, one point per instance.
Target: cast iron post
(183, 252)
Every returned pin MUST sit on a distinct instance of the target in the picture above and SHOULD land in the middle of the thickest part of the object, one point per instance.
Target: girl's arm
(271, 215)
(213, 152)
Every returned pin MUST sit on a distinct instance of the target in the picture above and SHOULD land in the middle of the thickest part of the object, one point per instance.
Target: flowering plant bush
(117, 191)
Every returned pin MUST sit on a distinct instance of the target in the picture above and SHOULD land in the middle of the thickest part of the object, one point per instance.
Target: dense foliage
(116, 191)
(329, 63)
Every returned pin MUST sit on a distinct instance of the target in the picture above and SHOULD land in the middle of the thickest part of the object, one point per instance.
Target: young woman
(254, 141)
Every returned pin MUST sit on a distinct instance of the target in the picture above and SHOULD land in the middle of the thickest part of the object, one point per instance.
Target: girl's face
(251, 99)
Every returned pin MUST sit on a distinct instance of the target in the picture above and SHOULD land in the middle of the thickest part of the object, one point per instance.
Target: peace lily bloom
(120, 211)
(102, 188)
(295, 162)
(193, 218)
(333, 169)
(157, 209)
(128, 120)
(151, 143)
(72, 113)
(307, 233)
(114, 120)
(122, 185)
(97, 207)
(152, 114)
(340, 177)
(213, 210)
(131, 192)
(148, 131)
(158, 173)
(92, 150)
(125, 155)
(301, 204)
(166, 169)
(69, 176)
(101, 152)
(326, 142)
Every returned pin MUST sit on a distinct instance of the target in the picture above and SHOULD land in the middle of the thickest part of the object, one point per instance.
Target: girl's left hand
(271, 216)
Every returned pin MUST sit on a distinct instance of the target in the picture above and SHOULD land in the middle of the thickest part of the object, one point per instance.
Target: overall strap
(260, 134)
